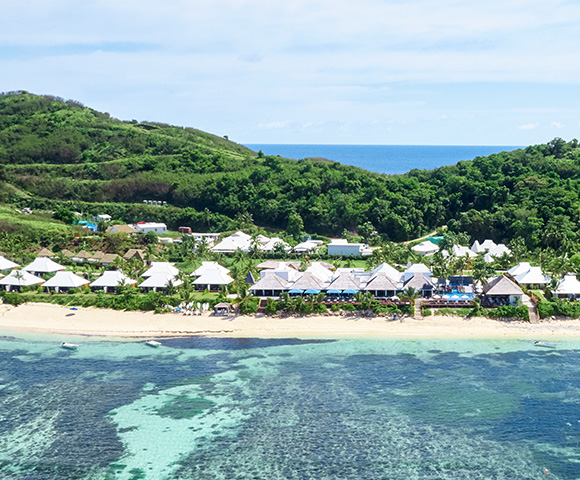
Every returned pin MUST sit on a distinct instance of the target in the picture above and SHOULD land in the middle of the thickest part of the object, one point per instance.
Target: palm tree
(409, 295)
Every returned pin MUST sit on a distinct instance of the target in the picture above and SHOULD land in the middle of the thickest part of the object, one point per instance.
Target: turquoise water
(203, 408)
(391, 159)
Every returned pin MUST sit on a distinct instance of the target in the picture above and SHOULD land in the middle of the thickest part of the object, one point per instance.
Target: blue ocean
(390, 159)
(209, 408)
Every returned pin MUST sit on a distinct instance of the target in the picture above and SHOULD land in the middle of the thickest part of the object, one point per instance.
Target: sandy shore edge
(42, 317)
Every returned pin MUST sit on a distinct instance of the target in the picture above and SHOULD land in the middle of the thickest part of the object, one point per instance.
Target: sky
(406, 72)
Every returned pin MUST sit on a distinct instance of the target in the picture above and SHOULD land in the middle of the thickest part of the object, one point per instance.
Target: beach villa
(42, 265)
(110, 280)
(63, 282)
(501, 291)
(568, 287)
(340, 246)
(19, 278)
(146, 227)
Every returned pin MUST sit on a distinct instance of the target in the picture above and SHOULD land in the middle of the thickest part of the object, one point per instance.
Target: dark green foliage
(509, 311)
(63, 152)
(559, 307)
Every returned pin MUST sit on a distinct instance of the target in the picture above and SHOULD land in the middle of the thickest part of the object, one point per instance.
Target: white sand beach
(40, 317)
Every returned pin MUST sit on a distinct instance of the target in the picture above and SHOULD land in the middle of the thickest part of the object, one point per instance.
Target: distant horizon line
(386, 144)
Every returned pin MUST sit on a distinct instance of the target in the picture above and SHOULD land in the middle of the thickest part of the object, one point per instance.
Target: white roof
(161, 267)
(270, 245)
(6, 264)
(213, 277)
(569, 285)
(320, 271)
(520, 268)
(532, 277)
(461, 251)
(425, 247)
(283, 270)
(161, 280)
(206, 266)
(20, 278)
(231, 244)
(391, 272)
(241, 235)
(140, 226)
(482, 247)
(307, 246)
(43, 265)
(418, 268)
(112, 278)
(496, 252)
(66, 280)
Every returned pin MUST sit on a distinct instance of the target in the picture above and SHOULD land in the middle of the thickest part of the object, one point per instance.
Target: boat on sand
(69, 346)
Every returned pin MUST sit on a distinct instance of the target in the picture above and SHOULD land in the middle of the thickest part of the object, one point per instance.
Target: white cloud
(557, 125)
(529, 126)
(275, 124)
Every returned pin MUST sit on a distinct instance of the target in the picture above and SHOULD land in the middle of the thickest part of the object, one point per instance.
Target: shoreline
(93, 322)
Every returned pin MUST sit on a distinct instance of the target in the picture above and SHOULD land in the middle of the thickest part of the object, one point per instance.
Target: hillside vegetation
(55, 153)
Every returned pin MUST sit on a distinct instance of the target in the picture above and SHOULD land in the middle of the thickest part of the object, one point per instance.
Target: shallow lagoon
(209, 408)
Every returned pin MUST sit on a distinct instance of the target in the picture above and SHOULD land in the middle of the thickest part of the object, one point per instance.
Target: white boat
(69, 346)
(153, 343)
(545, 344)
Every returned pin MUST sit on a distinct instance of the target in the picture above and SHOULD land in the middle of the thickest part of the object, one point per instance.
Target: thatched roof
(108, 258)
(45, 252)
(419, 282)
(134, 252)
(381, 281)
(308, 281)
(502, 285)
(344, 281)
(271, 281)
(271, 264)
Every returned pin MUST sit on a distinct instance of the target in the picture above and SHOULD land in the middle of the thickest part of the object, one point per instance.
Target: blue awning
(334, 292)
(295, 291)
(312, 292)
(350, 292)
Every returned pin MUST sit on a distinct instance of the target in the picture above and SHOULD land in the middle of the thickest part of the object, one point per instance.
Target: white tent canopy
(65, 280)
(425, 248)
(43, 265)
(161, 267)
(160, 280)
(6, 264)
(208, 266)
(20, 278)
(112, 279)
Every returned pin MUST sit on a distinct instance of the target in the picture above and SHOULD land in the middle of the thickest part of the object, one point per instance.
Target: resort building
(102, 218)
(17, 279)
(109, 281)
(145, 227)
(213, 279)
(568, 287)
(340, 246)
(414, 269)
(207, 267)
(126, 229)
(135, 253)
(6, 264)
(381, 286)
(63, 282)
(160, 281)
(421, 283)
(45, 252)
(426, 248)
(270, 285)
(161, 267)
(308, 246)
(42, 265)
(501, 291)
(528, 276)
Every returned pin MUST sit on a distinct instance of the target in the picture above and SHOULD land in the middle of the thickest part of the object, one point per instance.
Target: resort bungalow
(307, 284)
(160, 281)
(421, 283)
(109, 281)
(308, 247)
(528, 276)
(42, 265)
(126, 229)
(270, 285)
(344, 284)
(568, 287)
(381, 286)
(108, 259)
(45, 252)
(414, 269)
(62, 282)
(502, 291)
(17, 279)
(238, 240)
(161, 267)
(145, 227)
(6, 264)
(82, 256)
(207, 267)
(223, 308)
(339, 246)
(102, 218)
(425, 248)
(134, 253)
(212, 280)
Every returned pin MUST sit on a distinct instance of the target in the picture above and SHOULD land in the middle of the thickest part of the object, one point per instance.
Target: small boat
(545, 344)
(69, 346)
(153, 343)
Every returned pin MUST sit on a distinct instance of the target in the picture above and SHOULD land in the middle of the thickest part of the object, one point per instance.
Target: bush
(348, 307)
(320, 308)
(509, 311)
(427, 312)
(335, 308)
(270, 307)
(249, 307)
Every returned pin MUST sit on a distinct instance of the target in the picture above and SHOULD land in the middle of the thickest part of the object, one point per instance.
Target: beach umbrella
(349, 292)
(312, 292)
(334, 292)
(295, 291)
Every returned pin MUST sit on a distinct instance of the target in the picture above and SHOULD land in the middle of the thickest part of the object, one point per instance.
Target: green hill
(56, 152)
